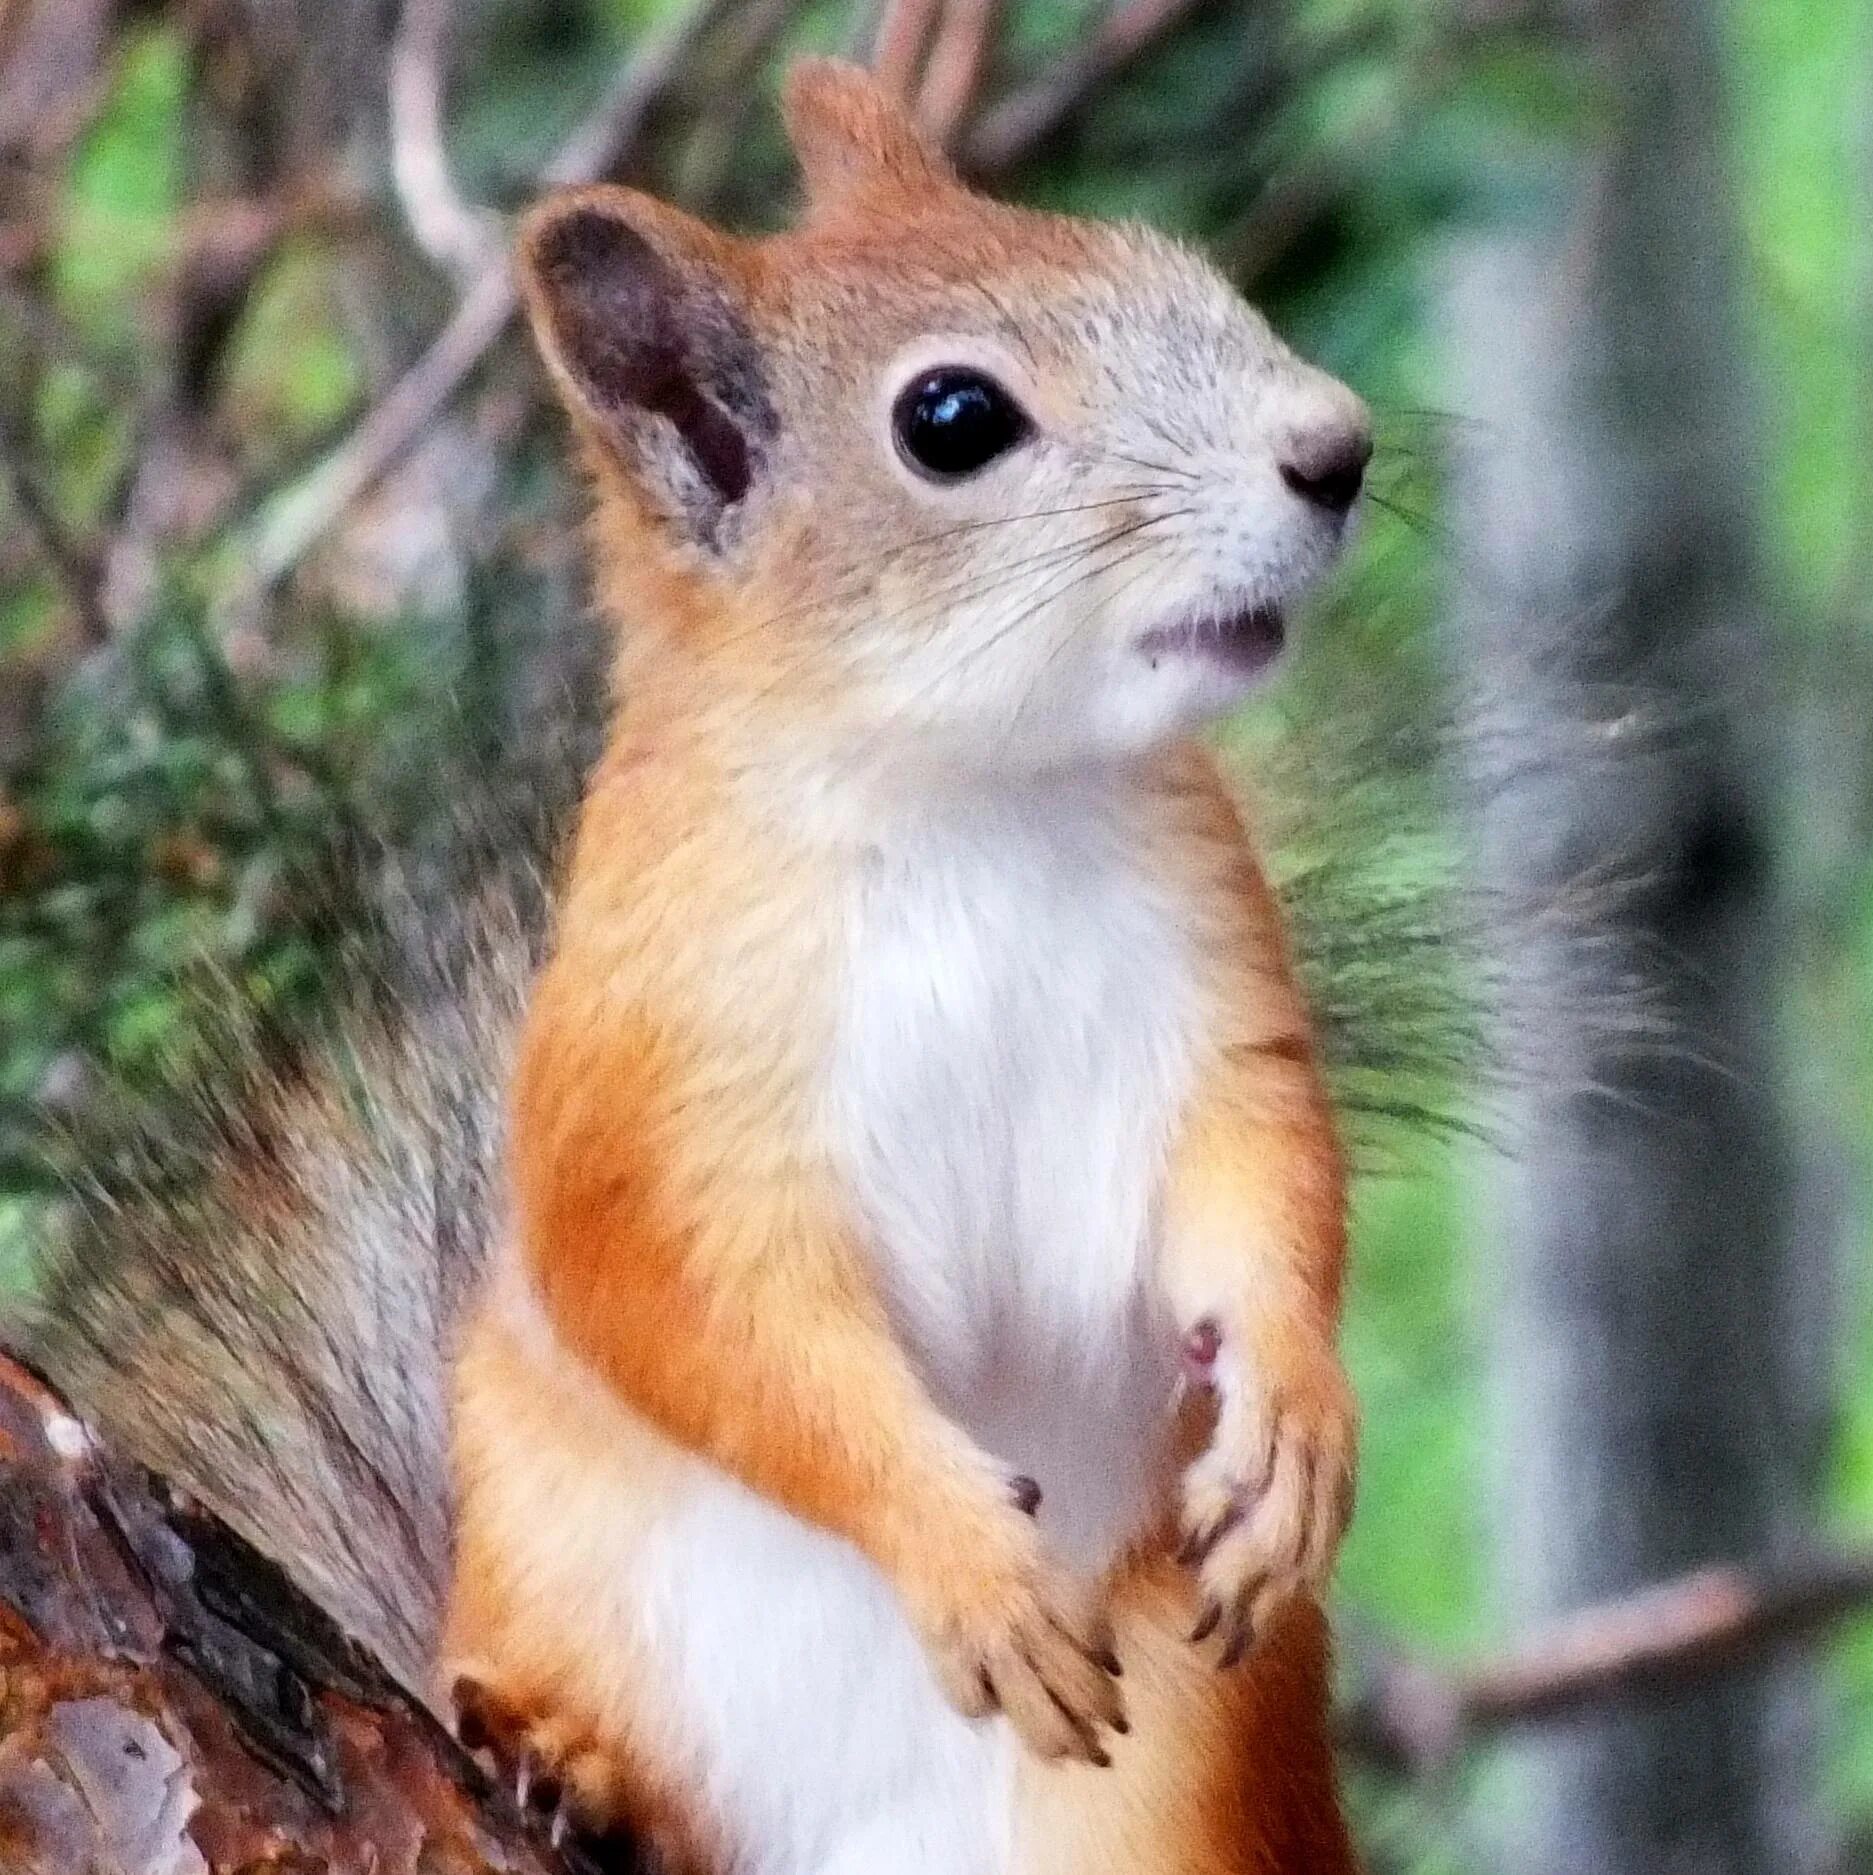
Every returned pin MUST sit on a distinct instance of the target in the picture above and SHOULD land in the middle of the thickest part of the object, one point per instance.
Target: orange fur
(682, 1231)
(1225, 1774)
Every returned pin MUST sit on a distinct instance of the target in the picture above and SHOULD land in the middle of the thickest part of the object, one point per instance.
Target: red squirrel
(903, 1433)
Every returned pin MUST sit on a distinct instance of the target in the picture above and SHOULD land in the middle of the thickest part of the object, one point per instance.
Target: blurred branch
(932, 53)
(1308, 190)
(1299, 197)
(296, 521)
(898, 46)
(953, 72)
(455, 236)
(73, 567)
(1411, 1717)
(610, 139)
(607, 140)
(50, 53)
(1559, 20)
(730, 96)
(1014, 129)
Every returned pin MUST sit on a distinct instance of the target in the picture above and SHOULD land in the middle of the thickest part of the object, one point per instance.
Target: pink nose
(1327, 467)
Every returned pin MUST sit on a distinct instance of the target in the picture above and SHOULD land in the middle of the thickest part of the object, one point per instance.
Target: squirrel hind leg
(555, 1774)
(576, 1790)
(533, 1758)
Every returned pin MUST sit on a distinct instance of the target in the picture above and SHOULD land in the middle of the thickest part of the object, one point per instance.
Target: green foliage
(1803, 179)
(171, 817)
(291, 374)
(126, 183)
(1414, 1559)
(1802, 172)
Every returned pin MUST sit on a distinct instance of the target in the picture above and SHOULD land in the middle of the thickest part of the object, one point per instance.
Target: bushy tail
(255, 1290)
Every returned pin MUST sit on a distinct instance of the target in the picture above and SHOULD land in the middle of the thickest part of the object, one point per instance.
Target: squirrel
(918, 1092)
(880, 1332)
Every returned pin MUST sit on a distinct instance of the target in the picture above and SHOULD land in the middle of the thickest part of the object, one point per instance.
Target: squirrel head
(947, 478)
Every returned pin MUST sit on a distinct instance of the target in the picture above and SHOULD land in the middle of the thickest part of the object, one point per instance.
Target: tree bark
(1610, 611)
(171, 1705)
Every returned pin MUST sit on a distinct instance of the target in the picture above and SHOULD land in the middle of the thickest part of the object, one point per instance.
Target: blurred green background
(212, 677)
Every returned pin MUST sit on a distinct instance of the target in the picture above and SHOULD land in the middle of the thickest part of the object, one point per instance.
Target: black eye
(951, 422)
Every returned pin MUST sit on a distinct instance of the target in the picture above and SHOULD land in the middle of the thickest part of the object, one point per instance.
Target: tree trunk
(1611, 617)
(171, 1705)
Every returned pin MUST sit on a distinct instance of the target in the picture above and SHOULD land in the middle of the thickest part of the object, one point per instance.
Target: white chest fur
(1015, 1046)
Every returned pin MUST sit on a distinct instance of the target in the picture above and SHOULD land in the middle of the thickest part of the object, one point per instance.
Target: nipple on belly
(1200, 1348)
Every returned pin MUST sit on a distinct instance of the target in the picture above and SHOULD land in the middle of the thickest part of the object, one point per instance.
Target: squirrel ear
(639, 321)
(850, 135)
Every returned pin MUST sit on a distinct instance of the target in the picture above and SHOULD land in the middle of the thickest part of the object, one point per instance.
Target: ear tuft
(851, 136)
(638, 319)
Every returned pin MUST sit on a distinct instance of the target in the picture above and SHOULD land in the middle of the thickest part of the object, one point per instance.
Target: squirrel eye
(952, 422)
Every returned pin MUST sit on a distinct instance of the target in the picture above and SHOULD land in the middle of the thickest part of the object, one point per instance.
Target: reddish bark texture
(171, 1705)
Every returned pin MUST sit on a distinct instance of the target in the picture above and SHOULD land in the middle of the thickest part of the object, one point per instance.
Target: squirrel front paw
(1007, 1632)
(1265, 1505)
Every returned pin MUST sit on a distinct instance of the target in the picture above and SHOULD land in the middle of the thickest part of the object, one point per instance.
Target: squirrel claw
(1240, 1641)
(523, 1754)
(537, 1787)
(467, 1720)
(1265, 1504)
(1199, 1544)
(1027, 1646)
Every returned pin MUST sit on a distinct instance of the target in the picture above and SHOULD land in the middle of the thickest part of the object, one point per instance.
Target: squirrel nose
(1328, 466)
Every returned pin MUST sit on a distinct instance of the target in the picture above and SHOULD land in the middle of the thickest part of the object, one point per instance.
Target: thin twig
(75, 570)
(730, 94)
(954, 70)
(1305, 191)
(1709, 1619)
(1413, 1717)
(50, 74)
(898, 49)
(1038, 112)
(455, 236)
(609, 139)
(296, 521)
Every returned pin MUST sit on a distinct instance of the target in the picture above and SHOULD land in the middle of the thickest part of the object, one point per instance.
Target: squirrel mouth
(1246, 640)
